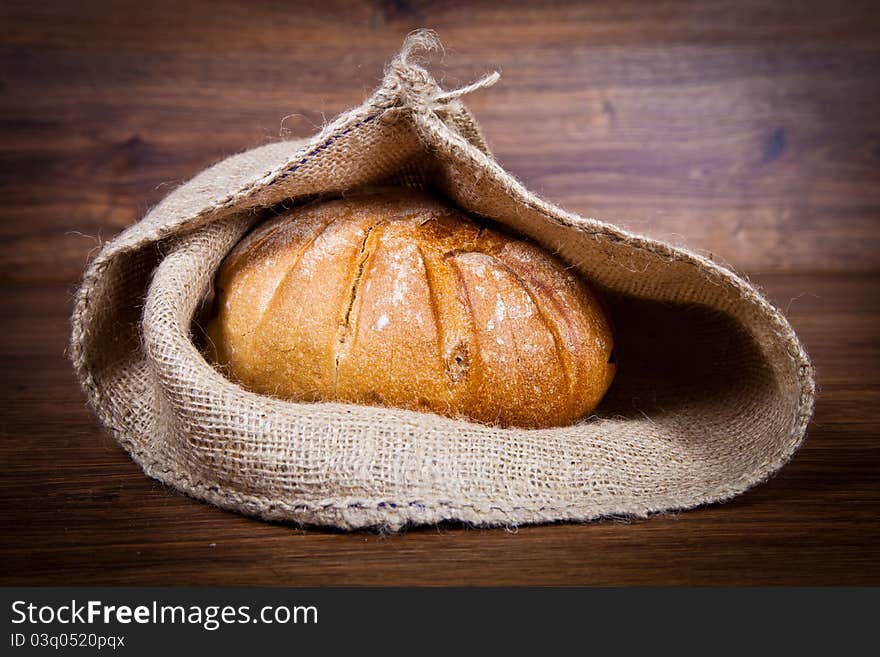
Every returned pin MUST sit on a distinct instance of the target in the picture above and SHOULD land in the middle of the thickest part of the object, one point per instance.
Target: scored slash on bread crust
(395, 298)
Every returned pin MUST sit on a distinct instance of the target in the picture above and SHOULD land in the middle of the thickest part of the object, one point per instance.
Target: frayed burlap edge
(408, 90)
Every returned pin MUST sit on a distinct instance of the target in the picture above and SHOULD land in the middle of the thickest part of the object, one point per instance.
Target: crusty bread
(397, 299)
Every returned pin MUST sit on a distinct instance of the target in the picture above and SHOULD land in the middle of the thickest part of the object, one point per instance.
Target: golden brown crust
(398, 299)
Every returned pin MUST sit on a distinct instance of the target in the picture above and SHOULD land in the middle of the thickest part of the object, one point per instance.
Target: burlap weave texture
(713, 394)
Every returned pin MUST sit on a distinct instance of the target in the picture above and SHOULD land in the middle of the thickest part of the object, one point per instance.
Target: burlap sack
(713, 393)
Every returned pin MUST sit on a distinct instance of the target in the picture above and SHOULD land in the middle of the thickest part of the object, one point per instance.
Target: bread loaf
(397, 299)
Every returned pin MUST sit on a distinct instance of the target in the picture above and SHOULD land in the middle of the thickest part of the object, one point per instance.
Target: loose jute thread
(714, 391)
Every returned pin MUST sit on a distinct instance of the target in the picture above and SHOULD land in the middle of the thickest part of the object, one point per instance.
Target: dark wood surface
(746, 129)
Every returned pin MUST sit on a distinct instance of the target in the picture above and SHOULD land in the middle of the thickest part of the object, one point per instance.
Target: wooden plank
(737, 128)
(76, 510)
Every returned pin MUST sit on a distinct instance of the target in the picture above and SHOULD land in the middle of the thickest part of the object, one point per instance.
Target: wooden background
(746, 129)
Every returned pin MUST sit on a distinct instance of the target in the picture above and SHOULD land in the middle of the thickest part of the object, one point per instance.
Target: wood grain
(76, 510)
(747, 129)
(741, 128)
